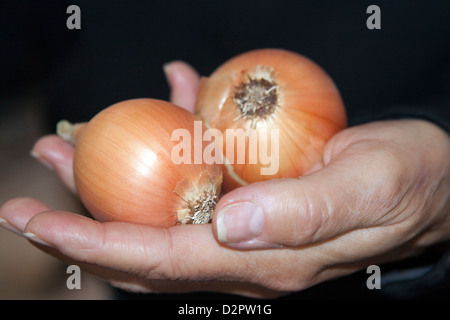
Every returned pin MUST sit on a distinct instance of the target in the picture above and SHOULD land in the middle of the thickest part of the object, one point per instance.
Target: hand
(381, 193)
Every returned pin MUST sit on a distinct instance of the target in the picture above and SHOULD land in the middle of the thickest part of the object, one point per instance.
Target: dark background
(119, 52)
(402, 70)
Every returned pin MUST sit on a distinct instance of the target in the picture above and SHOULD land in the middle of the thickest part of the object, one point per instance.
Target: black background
(119, 52)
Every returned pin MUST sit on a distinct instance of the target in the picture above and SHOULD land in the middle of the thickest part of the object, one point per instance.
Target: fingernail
(239, 222)
(39, 158)
(5, 224)
(34, 238)
(166, 67)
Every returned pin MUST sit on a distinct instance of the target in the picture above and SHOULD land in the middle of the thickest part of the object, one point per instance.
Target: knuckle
(311, 216)
(176, 267)
(385, 184)
(391, 177)
(300, 217)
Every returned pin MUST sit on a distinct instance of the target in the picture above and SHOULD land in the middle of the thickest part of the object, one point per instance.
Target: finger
(16, 213)
(186, 286)
(358, 189)
(126, 246)
(183, 82)
(30, 218)
(187, 253)
(56, 154)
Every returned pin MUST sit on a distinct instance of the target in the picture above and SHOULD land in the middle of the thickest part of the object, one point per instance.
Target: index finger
(56, 154)
(188, 252)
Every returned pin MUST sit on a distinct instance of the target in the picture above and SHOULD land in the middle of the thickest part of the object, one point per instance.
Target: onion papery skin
(309, 111)
(123, 168)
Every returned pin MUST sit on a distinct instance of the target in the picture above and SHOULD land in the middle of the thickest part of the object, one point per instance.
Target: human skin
(381, 193)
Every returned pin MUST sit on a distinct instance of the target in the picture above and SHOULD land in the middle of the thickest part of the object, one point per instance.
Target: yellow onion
(124, 169)
(282, 96)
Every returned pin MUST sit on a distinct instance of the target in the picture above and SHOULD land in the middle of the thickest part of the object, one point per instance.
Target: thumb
(300, 211)
(270, 214)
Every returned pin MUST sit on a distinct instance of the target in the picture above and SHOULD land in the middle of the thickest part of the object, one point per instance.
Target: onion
(124, 166)
(283, 102)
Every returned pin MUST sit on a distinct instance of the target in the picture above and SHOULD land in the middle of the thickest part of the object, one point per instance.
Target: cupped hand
(381, 193)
